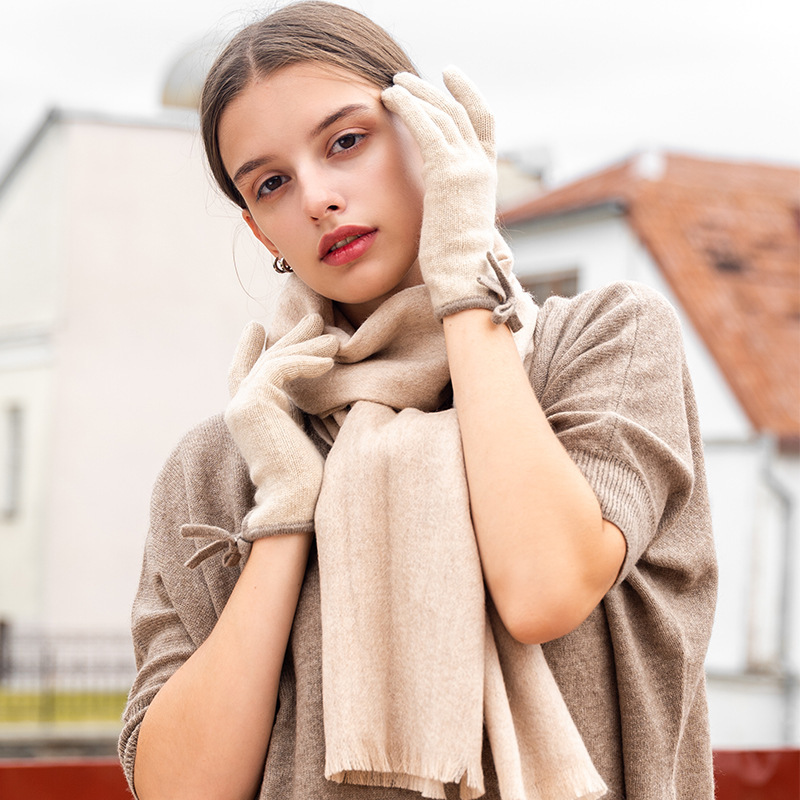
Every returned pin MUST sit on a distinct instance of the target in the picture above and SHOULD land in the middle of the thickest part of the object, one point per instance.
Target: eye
(347, 142)
(271, 184)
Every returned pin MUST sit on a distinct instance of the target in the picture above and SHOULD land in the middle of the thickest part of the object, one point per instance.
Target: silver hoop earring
(280, 265)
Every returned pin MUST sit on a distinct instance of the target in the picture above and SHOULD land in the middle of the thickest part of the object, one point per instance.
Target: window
(10, 462)
(562, 284)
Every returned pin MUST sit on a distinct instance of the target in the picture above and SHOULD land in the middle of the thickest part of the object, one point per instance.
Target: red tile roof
(726, 237)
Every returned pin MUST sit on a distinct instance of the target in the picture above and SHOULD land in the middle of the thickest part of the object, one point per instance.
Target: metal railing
(63, 677)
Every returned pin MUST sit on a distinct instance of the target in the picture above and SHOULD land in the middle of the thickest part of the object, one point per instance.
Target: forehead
(296, 96)
(310, 72)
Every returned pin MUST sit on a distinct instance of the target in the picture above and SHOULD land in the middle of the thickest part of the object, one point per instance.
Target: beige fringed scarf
(413, 663)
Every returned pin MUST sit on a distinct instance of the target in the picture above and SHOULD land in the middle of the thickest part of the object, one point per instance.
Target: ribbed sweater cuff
(129, 738)
(624, 501)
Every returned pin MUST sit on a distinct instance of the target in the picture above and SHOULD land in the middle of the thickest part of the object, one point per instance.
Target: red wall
(739, 774)
(95, 779)
(757, 774)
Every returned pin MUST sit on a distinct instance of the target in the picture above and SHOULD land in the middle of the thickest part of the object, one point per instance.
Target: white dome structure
(184, 81)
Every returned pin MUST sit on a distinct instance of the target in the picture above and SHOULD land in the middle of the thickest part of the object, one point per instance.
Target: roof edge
(181, 119)
(176, 118)
(53, 116)
(616, 206)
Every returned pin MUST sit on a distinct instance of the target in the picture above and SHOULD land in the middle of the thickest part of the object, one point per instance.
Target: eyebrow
(344, 111)
(250, 166)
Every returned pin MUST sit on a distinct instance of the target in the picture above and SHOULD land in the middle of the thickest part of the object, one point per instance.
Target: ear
(258, 233)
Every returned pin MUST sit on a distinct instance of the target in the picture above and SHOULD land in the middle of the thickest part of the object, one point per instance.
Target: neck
(357, 313)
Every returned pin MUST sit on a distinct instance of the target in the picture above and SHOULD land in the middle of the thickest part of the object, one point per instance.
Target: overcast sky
(589, 81)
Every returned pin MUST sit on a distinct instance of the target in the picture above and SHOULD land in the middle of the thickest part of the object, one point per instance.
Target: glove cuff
(234, 546)
(253, 528)
(498, 296)
(464, 303)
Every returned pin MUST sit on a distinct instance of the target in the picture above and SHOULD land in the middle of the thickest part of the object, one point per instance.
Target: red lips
(362, 239)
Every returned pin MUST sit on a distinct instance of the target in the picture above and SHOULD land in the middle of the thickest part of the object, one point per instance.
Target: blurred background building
(125, 281)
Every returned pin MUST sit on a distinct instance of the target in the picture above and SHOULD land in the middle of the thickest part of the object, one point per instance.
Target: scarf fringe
(577, 783)
(427, 779)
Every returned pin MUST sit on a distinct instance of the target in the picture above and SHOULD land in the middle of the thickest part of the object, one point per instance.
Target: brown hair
(305, 31)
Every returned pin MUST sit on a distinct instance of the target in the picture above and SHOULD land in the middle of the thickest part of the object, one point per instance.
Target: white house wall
(31, 261)
(787, 472)
(153, 312)
(32, 210)
(26, 387)
(746, 712)
(142, 316)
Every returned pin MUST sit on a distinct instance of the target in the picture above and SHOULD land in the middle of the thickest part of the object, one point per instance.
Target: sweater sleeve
(610, 374)
(175, 609)
(161, 642)
(162, 645)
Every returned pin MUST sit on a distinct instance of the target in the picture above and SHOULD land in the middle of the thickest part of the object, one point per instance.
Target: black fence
(63, 677)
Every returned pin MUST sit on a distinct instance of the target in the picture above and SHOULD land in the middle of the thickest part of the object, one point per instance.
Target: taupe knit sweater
(610, 374)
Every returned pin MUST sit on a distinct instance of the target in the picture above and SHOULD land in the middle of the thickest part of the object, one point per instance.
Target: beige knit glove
(284, 464)
(456, 137)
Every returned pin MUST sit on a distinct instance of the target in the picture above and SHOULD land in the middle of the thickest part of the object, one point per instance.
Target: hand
(456, 137)
(285, 465)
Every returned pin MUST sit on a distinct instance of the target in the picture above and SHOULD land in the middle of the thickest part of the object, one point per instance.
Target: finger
(438, 99)
(326, 345)
(272, 367)
(430, 127)
(309, 327)
(468, 95)
(302, 367)
(248, 350)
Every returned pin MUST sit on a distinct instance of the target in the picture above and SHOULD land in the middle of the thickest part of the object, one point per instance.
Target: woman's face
(332, 182)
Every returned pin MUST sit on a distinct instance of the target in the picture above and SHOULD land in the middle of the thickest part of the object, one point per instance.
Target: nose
(320, 195)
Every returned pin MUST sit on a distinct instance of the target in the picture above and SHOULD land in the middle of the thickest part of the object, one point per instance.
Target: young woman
(311, 619)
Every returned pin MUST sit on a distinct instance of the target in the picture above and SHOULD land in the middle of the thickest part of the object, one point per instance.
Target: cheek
(414, 189)
(402, 156)
(410, 158)
(405, 198)
(283, 229)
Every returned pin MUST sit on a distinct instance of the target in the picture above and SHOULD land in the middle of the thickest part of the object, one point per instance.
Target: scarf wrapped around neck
(415, 660)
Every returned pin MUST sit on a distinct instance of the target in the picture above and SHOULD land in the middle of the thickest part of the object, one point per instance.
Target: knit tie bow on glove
(461, 255)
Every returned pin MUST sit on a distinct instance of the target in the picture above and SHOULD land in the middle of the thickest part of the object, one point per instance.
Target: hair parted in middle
(311, 31)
